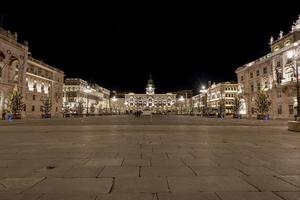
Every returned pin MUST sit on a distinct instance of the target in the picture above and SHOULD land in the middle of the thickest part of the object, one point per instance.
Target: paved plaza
(158, 158)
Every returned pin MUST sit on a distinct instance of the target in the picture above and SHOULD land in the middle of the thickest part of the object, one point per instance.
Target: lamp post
(181, 99)
(114, 99)
(203, 92)
(87, 91)
(293, 54)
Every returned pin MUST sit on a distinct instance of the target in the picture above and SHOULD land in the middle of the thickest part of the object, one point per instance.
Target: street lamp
(114, 99)
(181, 99)
(293, 54)
(87, 91)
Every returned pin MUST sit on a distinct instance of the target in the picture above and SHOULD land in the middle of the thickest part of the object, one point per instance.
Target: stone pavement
(168, 158)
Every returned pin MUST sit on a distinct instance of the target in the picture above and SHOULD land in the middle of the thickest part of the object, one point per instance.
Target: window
(258, 86)
(265, 70)
(278, 94)
(56, 109)
(291, 109)
(32, 108)
(41, 108)
(33, 97)
(242, 78)
(25, 107)
(279, 109)
(266, 85)
(252, 88)
(257, 72)
(251, 74)
(278, 64)
(252, 110)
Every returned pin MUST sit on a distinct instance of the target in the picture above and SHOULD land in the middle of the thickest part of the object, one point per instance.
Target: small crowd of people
(138, 113)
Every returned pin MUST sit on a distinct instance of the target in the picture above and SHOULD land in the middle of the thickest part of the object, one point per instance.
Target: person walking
(3, 115)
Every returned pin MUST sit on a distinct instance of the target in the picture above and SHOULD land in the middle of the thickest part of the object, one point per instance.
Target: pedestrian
(3, 115)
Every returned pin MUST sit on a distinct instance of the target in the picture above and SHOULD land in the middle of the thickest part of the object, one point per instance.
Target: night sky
(118, 44)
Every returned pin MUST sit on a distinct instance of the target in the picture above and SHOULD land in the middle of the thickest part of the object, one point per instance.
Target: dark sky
(117, 44)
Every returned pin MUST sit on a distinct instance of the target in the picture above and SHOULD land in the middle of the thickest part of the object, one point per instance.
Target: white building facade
(275, 74)
(93, 98)
(151, 101)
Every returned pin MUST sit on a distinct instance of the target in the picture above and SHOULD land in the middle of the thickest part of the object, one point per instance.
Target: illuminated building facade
(34, 79)
(275, 74)
(93, 98)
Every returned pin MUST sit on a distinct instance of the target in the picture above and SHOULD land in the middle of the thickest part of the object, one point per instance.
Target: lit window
(265, 70)
(251, 74)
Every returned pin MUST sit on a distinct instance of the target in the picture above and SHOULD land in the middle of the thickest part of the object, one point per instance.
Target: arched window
(2, 58)
(13, 70)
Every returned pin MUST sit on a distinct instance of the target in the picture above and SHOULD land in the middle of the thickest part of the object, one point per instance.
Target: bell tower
(150, 86)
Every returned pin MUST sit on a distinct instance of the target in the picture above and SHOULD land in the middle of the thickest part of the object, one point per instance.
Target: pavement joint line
(286, 182)
(44, 178)
(117, 154)
(275, 193)
(112, 185)
(166, 153)
(168, 184)
(122, 162)
(195, 157)
(101, 170)
(259, 190)
(195, 173)
(3, 185)
(218, 196)
(241, 171)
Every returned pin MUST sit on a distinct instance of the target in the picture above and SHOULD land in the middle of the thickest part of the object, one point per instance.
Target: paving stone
(248, 196)
(12, 196)
(67, 197)
(136, 162)
(16, 172)
(166, 162)
(166, 171)
(292, 179)
(216, 171)
(139, 185)
(208, 184)
(120, 172)
(215, 149)
(104, 162)
(287, 170)
(16, 185)
(270, 183)
(188, 196)
(73, 186)
(253, 170)
(200, 162)
(83, 172)
(143, 196)
(289, 195)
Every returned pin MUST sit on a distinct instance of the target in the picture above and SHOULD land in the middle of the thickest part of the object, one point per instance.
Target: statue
(271, 40)
(280, 34)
